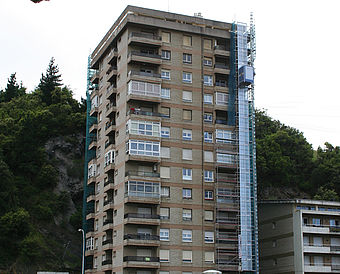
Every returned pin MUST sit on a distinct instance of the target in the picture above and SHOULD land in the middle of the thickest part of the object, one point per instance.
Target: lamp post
(83, 250)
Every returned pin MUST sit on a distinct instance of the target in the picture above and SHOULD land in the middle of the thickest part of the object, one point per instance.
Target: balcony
(93, 142)
(318, 268)
(142, 192)
(107, 264)
(142, 174)
(93, 127)
(144, 76)
(93, 111)
(108, 224)
(141, 261)
(109, 167)
(221, 85)
(108, 204)
(110, 109)
(107, 244)
(144, 39)
(112, 55)
(316, 229)
(95, 78)
(144, 91)
(221, 68)
(142, 197)
(110, 91)
(226, 178)
(154, 116)
(141, 240)
(221, 50)
(110, 128)
(108, 185)
(144, 57)
(94, 91)
(112, 74)
(139, 218)
(141, 150)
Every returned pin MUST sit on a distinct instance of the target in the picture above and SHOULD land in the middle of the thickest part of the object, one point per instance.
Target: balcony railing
(108, 202)
(221, 47)
(221, 66)
(142, 216)
(108, 221)
(106, 262)
(108, 144)
(142, 194)
(221, 83)
(146, 113)
(141, 237)
(108, 241)
(108, 182)
(145, 54)
(109, 124)
(145, 35)
(221, 121)
(141, 259)
(142, 73)
(142, 174)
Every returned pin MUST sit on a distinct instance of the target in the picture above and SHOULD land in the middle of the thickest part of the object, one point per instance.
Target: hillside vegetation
(34, 233)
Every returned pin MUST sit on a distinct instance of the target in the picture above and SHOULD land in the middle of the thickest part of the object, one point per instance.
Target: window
(187, 58)
(140, 127)
(144, 88)
(208, 137)
(207, 61)
(187, 40)
(97, 206)
(208, 117)
(142, 189)
(165, 74)
(165, 112)
(207, 98)
(187, 174)
(274, 243)
(165, 93)
(109, 158)
(209, 257)
(208, 175)
(208, 195)
(164, 255)
(207, 44)
(95, 262)
(187, 154)
(187, 77)
(187, 134)
(187, 193)
(187, 114)
(224, 136)
(209, 236)
(165, 191)
(208, 215)
(164, 234)
(225, 158)
(140, 147)
(100, 116)
(89, 243)
(186, 214)
(316, 222)
(187, 96)
(187, 236)
(166, 37)
(164, 213)
(166, 54)
(165, 172)
(165, 152)
(221, 98)
(208, 80)
(208, 156)
(165, 132)
(187, 256)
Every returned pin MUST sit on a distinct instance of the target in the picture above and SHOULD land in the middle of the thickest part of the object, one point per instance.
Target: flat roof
(301, 201)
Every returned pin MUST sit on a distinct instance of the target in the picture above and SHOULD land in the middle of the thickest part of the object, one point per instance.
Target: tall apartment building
(299, 236)
(170, 179)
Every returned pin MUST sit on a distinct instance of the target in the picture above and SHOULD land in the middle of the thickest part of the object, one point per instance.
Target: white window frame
(208, 80)
(187, 154)
(187, 214)
(208, 98)
(207, 61)
(166, 55)
(165, 191)
(187, 77)
(221, 98)
(224, 136)
(187, 96)
(209, 237)
(209, 257)
(208, 195)
(165, 132)
(151, 149)
(164, 255)
(225, 158)
(187, 134)
(144, 88)
(187, 256)
(208, 137)
(187, 58)
(142, 189)
(187, 174)
(208, 175)
(164, 234)
(147, 128)
(165, 74)
(109, 158)
(187, 193)
(163, 210)
(186, 236)
(165, 93)
(206, 115)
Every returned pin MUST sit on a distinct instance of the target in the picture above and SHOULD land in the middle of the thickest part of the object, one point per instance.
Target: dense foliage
(286, 160)
(28, 202)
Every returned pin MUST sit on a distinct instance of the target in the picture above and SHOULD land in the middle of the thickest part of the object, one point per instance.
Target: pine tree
(12, 90)
(49, 82)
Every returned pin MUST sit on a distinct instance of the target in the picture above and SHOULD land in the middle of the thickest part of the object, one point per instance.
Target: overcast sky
(297, 65)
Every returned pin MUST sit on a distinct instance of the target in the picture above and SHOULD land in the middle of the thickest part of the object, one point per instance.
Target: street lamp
(83, 250)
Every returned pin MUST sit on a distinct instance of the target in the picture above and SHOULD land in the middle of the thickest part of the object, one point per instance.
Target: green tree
(12, 90)
(50, 81)
(326, 194)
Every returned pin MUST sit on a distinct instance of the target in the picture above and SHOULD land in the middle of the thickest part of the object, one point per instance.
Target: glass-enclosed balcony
(144, 89)
(144, 192)
(149, 39)
(143, 150)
